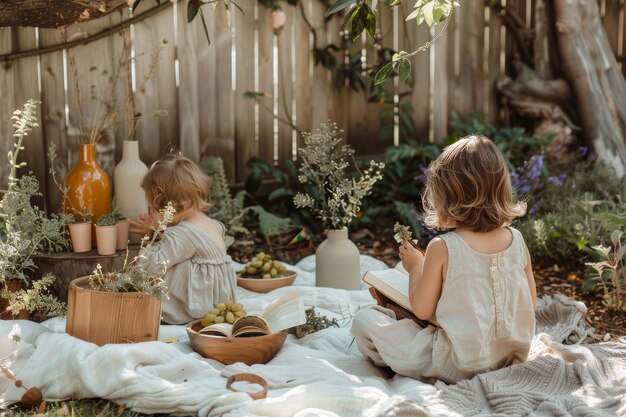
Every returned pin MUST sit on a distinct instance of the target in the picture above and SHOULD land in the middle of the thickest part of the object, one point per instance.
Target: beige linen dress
(485, 319)
(199, 272)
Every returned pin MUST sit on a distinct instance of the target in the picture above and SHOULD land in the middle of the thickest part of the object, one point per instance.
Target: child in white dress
(474, 284)
(199, 272)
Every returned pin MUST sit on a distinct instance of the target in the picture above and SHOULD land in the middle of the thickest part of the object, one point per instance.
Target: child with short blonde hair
(199, 273)
(474, 284)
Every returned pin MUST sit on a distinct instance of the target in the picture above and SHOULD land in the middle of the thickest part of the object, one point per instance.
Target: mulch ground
(550, 278)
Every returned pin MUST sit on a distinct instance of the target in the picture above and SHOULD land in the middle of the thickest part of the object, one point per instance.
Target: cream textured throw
(322, 374)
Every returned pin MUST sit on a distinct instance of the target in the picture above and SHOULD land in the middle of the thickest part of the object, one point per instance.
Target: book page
(217, 330)
(392, 283)
(285, 312)
(249, 326)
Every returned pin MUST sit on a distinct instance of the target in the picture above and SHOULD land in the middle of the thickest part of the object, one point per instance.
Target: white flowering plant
(337, 191)
(25, 229)
(132, 277)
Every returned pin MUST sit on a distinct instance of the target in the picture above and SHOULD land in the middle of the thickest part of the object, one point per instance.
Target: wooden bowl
(249, 350)
(267, 285)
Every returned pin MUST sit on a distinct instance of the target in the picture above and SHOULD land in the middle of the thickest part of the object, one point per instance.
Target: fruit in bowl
(264, 274)
(262, 266)
(227, 312)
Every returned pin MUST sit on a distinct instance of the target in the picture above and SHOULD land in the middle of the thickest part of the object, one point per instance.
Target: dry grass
(76, 408)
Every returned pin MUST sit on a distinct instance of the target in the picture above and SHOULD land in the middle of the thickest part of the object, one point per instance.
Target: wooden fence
(202, 87)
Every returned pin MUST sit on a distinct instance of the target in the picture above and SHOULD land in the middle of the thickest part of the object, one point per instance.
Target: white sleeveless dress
(199, 272)
(485, 319)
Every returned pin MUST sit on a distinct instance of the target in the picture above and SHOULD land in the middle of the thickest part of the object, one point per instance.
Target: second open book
(283, 313)
(390, 289)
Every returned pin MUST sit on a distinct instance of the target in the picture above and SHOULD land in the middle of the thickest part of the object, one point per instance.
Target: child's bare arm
(426, 280)
(531, 279)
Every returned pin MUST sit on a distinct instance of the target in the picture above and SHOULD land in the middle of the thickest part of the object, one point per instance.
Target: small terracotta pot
(106, 237)
(81, 236)
(122, 234)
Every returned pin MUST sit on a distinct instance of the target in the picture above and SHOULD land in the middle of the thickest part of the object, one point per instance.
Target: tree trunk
(595, 77)
(54, 13)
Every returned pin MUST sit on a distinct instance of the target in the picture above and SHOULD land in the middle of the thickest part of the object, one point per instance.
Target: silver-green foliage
(27, 231)
(338, 193)
(609, 271)
(35, 298)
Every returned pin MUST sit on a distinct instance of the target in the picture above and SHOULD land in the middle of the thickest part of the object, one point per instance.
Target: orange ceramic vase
(89, 187)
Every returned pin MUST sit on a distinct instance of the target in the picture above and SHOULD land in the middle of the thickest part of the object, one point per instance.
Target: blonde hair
(469, 185)
(177, 179)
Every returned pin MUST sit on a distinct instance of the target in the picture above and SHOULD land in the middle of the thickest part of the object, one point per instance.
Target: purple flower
(535, 167)
(583, 150)
(534, 209)
(558, 180)
(591, 156)
(422, 176)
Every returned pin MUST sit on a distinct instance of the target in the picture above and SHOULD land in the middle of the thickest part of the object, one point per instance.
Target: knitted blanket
(322, 374)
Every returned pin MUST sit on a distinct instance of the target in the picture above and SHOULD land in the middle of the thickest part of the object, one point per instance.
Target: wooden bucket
(111, 317)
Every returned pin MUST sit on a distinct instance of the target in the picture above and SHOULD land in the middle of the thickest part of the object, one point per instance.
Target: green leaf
(370, 25)
(383, 73)
(340, 5)
(404, 69)
(193, 7)
(358, 23)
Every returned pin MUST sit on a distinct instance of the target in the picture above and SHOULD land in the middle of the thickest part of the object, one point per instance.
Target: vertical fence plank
(154, 48)
(266, 85)
(246, 146)
(190, 40)
(224, 104)
(26, 86)
(303, 84)
(386, 119)
(53, 112)
(337, 95)
(493, 63)
(7, 104)
(356, 106)
(321, 76)
(285, 88)
(440, 66)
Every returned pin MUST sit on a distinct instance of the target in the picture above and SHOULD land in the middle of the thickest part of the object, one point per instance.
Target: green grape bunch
(263, 266)
(228, 312)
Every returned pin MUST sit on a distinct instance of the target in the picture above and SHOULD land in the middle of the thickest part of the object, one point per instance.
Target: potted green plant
(106, 233)
(120, 306)
(336, 201)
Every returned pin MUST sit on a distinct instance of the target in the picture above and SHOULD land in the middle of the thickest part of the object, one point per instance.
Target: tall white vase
(127, 177)
(337, 262)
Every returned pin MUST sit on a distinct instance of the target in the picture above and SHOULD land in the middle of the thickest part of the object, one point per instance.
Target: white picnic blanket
(322, 374)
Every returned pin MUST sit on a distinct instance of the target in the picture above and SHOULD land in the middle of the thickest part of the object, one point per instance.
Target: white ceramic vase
(337, 262)
(127, 176)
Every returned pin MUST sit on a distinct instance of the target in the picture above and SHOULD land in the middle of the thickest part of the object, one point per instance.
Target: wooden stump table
(66, 266)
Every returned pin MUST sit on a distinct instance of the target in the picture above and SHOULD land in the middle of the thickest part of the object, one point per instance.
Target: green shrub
(574, 210)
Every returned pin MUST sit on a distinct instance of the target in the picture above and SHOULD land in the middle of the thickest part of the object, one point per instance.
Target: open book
(390, 289)
(283, 313)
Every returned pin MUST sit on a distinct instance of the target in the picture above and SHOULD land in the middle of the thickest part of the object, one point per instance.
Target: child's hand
(144, 225)
(410, 256)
